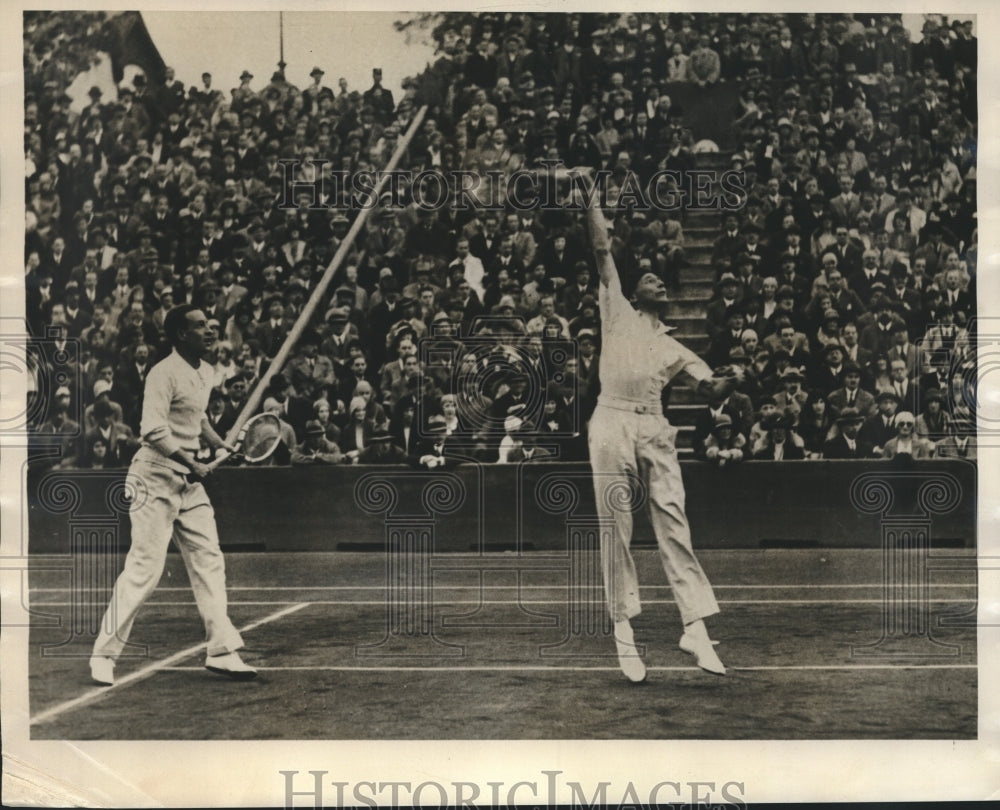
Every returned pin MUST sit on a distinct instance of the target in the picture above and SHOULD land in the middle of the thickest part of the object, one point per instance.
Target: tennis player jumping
(630, 438)
(171, 502)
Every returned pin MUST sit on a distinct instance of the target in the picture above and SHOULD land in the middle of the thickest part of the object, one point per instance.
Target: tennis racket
(255, 442)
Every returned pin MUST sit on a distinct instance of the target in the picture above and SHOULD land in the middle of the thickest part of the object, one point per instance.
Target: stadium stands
(842, 154)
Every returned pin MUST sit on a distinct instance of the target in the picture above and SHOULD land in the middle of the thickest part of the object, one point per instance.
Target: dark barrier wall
(528, 507)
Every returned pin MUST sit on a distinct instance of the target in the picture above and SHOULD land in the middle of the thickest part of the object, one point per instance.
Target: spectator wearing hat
(790, 393)
(379, 97)
(313, 91)
(906, 443)
(827, 373)
(735, 405)
(724, 445)
(382, 450)
(527, 450)
(392, 371)
(850, 257)
(842, 298)
(310, 372)
(881, 426)
(752, 248)
(728, 243)
(850, 394)
(723, 309)
(751, 284)
(789, 276)
(356, 434)
(731, 336)
(271, 332)
(385, 241)
(876, 336)
(846, 443)
(778, 442)
(938, 376)
(77, 319)
(582, 287)
(433, 450)
(107, 387)
(907, 299)
(120, 441)
(765, 406)
(315, 448)
(514, 399)
(900, 348)
(208, 297)
(216, 415)
(825, 321)
(934, 422)
(511, 439)
(560, 255)
(58, 423)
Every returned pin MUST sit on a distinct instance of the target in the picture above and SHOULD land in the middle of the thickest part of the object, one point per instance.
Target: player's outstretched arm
(597, 226)
(721, 384)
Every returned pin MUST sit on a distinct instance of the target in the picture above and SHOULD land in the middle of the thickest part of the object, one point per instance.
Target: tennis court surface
(518, 651)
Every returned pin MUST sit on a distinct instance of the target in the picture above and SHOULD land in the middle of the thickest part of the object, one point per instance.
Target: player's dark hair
(175, 322)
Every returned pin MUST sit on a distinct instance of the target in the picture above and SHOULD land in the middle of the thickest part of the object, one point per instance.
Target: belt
(631, 405)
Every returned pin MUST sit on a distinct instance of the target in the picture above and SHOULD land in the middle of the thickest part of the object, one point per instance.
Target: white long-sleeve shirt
(175, 402)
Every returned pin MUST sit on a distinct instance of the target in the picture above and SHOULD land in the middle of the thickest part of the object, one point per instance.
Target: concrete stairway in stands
(688, 305)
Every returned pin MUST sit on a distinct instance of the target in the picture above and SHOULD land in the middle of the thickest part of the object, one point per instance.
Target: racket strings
(260, 438)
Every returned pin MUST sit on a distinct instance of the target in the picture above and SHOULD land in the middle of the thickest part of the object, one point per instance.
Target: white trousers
(641, 445)
(169, 506)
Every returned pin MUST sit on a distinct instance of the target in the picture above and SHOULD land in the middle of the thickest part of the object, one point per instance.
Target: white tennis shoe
(628, 655)
(231, 665)
(102, 670)
(703, 650)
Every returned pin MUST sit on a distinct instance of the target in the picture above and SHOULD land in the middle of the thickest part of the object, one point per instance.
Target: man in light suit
(847, 204)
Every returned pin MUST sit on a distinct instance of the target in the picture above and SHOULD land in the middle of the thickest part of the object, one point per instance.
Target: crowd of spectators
(845, 279)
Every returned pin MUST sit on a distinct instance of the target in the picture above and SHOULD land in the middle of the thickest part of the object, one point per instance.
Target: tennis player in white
(172, 502)
(630, 437)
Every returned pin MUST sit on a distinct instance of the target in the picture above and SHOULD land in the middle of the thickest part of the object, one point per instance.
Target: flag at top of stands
(131, 44)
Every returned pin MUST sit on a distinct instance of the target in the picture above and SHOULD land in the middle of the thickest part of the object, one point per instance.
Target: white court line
(508, 587)
(536, 668)
(151, 669)
(442, 601)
